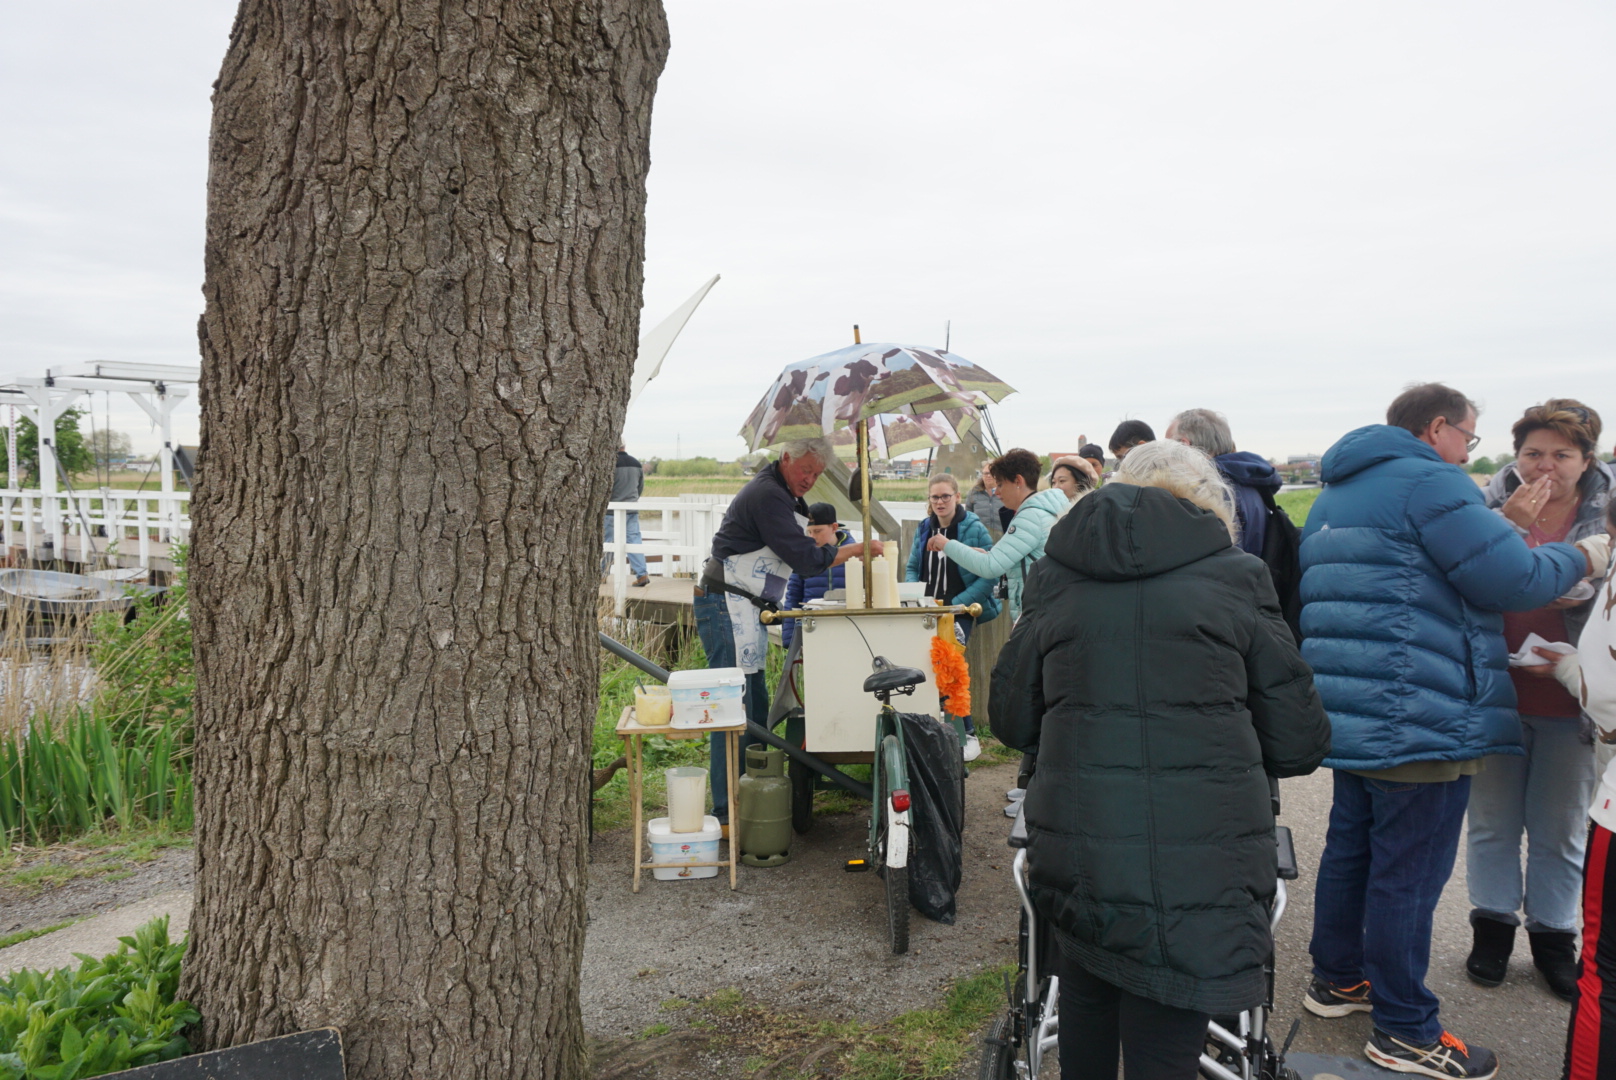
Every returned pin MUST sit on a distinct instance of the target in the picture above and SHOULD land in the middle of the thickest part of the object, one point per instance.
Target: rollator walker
(1237, 1047)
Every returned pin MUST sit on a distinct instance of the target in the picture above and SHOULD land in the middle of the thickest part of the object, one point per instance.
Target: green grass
(923, 1044)
(111, 853)
(28, 935)
(1298, 503)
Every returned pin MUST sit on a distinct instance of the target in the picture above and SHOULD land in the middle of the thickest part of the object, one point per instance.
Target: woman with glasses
(945, 579)
(1556, 490)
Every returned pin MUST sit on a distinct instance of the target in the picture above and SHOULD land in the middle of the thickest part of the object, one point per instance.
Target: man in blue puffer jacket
(1404, 573)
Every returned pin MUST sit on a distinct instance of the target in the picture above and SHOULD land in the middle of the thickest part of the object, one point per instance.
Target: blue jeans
(712, 626)
(1387, 855)
(1544, 795)
(636, 562)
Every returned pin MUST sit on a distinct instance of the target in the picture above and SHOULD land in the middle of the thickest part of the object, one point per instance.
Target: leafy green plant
(114, 1013)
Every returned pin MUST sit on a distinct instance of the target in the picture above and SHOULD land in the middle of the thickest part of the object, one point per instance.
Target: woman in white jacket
(1590, 675)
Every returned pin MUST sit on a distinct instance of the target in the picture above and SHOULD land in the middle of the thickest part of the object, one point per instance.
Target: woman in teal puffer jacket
(1023, 542)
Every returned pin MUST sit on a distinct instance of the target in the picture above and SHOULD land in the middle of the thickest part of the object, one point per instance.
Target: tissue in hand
(1525, 657)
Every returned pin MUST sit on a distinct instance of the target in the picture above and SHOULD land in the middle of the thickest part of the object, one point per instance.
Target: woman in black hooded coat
(1155, 677)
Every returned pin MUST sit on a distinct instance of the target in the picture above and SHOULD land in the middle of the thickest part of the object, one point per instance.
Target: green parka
(1154, 675)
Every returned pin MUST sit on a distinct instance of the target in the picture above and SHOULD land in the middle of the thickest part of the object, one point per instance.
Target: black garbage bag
(936, 814)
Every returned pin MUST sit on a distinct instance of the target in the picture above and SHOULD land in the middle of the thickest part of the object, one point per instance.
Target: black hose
(617, 648)
(798, 754)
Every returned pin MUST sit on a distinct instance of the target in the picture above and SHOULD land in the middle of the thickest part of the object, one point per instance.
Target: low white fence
(125, 522)
(676, 536)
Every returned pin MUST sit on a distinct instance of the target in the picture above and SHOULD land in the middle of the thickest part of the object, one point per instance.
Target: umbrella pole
(864, 502)
(864, 498)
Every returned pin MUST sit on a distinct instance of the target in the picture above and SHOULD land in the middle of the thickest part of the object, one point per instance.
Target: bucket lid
(661, 830)
(695, 677)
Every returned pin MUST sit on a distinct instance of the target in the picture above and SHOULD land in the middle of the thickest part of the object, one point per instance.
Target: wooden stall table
(633, 735)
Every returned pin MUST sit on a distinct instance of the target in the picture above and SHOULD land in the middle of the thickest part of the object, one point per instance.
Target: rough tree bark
(423, 269)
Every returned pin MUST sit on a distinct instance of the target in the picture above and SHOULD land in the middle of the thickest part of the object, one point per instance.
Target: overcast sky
(1282, 211)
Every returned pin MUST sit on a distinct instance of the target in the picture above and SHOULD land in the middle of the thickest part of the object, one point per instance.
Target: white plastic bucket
(668, 846)
(687, 798)
(708, 697)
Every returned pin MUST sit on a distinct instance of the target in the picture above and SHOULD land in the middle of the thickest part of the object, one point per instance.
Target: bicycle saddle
(888, 678)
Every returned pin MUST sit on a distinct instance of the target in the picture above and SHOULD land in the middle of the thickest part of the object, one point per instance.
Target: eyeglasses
(943, 497)
(1472, 439)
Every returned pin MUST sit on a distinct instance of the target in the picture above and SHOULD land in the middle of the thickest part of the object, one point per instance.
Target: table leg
(636, 799)
(733, 749)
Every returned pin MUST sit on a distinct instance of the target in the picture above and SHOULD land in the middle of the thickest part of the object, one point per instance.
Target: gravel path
(25, 909)
(809, 939)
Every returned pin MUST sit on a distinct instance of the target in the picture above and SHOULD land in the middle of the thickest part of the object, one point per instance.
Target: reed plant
(45, 670)
(63, 779)
(97, 728)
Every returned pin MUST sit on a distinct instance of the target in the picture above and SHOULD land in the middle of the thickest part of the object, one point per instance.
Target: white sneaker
(973, 748)
(1015, 793)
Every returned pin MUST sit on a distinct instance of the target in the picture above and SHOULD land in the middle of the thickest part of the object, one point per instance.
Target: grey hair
(1182, 471)
(1205, 430)
(819, 448)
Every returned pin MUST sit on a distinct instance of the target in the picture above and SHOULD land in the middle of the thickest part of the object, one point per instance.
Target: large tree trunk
(425, 235)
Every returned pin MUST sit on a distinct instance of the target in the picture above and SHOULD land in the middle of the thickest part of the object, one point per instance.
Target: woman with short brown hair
(1556, 490)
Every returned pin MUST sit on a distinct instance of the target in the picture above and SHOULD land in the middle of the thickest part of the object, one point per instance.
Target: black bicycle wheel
(897, 878)
(802, 797)
(998, 1056)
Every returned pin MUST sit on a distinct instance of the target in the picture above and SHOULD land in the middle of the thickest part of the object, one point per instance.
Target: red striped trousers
(1591, 1042)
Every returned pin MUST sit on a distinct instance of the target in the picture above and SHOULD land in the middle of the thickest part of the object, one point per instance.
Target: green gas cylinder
(765, 808)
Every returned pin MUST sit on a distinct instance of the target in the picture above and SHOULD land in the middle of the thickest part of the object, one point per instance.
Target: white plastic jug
(687, 797)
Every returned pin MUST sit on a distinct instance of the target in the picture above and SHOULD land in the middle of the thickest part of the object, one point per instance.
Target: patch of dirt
(29, 908)
(805, 939)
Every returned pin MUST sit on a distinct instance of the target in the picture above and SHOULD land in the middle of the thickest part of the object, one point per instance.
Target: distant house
(1299, 468)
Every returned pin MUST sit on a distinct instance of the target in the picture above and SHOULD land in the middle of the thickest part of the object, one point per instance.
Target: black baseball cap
(822, 514)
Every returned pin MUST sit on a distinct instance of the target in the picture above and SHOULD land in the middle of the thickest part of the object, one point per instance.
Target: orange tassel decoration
(953, 674)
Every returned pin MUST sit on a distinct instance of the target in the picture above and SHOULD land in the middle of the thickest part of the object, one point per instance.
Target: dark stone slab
(308, 1055)
(1322, 1067)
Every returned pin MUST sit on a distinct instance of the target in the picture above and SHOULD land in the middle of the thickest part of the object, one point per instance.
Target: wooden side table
(633, 735)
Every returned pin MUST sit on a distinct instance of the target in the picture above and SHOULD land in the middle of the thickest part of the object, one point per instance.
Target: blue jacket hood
(1248, 470)
(1369, 446)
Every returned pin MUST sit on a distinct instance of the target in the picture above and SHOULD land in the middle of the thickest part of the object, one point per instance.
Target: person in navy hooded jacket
(1249, 475)
(1405, 574)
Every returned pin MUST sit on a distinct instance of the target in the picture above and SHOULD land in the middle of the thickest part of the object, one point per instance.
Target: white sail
(655, 345)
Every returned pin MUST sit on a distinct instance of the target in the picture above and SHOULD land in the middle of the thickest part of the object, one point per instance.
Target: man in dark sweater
(628, 484)
(762, 540)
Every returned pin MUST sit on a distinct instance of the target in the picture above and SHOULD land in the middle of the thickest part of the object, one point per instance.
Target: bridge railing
(127, 522)
(676, 535)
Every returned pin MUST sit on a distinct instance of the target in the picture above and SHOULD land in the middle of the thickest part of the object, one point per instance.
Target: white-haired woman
(1153, 673)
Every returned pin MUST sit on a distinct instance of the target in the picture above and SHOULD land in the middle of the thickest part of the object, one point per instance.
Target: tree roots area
(790, 975)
